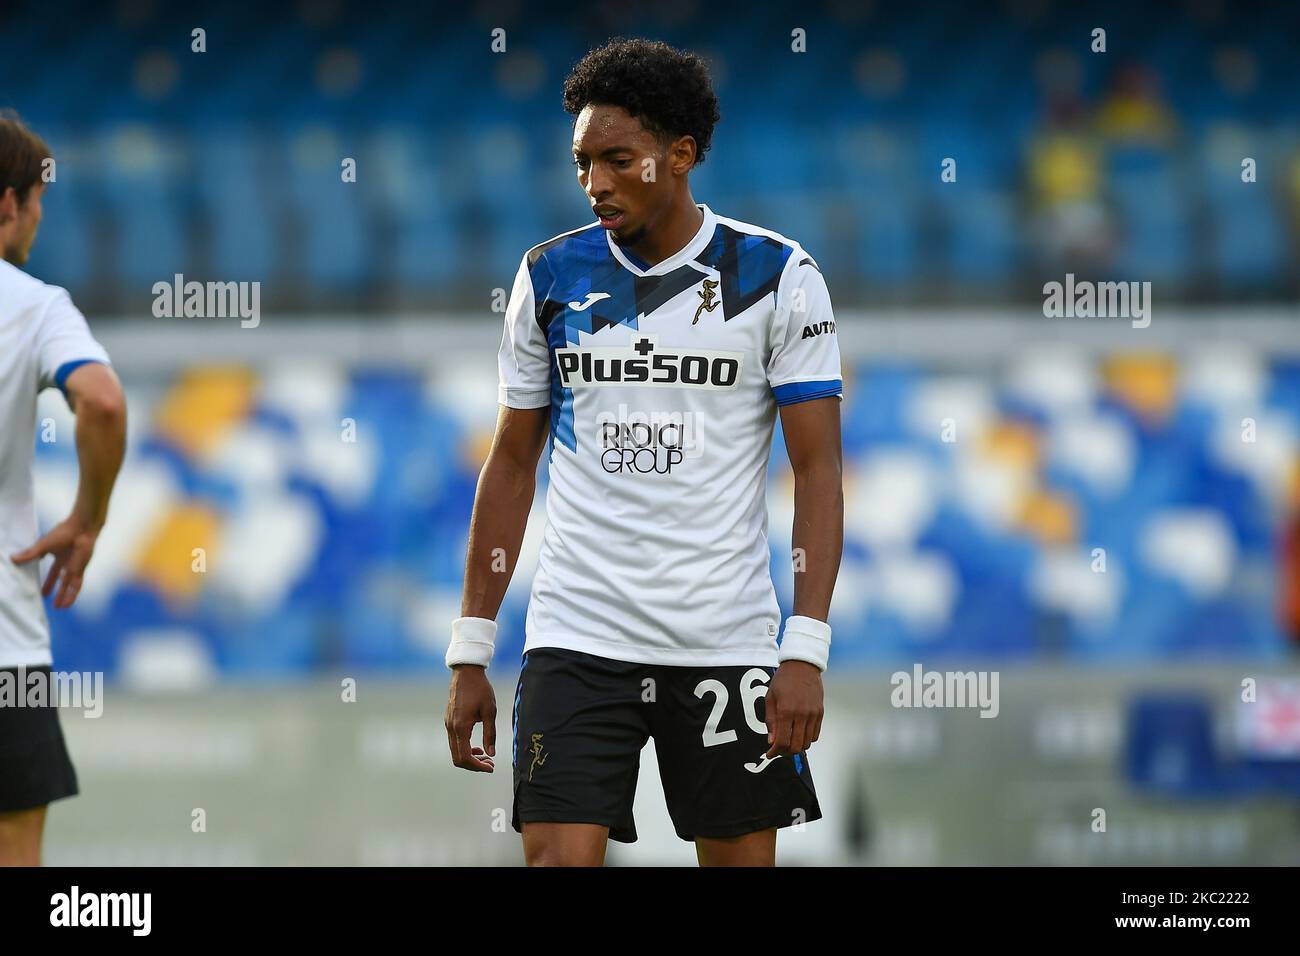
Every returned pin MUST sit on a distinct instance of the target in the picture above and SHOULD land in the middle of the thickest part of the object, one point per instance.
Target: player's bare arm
(96, 397)
(812, 440)
(502, 502)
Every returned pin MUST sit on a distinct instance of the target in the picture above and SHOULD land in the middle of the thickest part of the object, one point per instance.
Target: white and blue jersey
(43, 337)
(663, 384)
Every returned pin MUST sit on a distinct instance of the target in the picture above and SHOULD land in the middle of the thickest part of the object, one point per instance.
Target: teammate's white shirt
(41, 334)
(663, 385)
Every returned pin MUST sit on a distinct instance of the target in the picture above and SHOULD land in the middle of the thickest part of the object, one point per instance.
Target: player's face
(623, 169)
(27, 218)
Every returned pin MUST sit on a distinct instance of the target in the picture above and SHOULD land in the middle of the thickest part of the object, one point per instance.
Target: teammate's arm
(95, 395)
(794, 703)
(502, 502)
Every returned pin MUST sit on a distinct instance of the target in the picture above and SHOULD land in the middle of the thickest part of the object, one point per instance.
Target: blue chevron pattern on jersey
(570, 267)
(749, 266)
(565, 270)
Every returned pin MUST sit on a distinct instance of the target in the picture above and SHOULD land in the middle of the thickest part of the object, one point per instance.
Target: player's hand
(793, 707)
(471, 701)
(72, 542)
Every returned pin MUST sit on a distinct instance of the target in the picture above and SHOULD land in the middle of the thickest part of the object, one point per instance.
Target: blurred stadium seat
(328, 547)
(465, 153)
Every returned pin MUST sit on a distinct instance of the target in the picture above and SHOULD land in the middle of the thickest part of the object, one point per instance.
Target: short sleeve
(804, 362)
(63, 341)
(525, 359)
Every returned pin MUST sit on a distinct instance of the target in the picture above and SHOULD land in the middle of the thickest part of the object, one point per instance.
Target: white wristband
(806, 639)
(473, 640)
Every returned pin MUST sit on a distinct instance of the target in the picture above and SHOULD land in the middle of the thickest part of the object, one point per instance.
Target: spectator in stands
(1133, 110)
(1073, 229)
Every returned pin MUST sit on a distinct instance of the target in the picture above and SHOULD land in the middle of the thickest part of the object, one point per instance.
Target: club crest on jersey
(709, 303)
(646, 364)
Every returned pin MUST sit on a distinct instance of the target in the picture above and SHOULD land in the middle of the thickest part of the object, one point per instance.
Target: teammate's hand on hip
(471, 700)
(793, 708)
(71, 542)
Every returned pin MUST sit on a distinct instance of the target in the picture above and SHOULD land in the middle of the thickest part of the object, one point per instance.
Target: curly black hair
(669, 90)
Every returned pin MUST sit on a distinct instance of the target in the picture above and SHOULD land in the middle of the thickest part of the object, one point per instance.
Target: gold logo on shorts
(538, 758)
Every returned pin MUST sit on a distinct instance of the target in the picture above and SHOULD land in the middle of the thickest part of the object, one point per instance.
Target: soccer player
(655, 348)
(44, 342)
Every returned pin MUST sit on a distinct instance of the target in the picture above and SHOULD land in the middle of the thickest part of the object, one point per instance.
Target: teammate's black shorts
(580, 722)
(34, 765)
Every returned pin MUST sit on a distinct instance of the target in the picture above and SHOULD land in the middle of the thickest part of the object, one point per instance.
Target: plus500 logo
(642, 363)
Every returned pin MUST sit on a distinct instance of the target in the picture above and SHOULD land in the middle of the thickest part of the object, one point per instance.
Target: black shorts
(34, 765)
(580, 722)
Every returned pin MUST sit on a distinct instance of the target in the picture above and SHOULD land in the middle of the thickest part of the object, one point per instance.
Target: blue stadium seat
(143, 188)
(242, 213)
(1154, 214)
